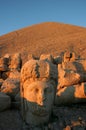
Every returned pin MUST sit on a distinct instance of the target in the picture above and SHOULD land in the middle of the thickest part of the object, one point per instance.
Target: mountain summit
(48, 37)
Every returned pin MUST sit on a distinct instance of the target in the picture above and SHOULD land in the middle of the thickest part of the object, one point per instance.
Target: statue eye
(36, 90)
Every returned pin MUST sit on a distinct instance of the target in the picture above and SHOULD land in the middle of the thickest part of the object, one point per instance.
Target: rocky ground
(64, 118)
(10, 120)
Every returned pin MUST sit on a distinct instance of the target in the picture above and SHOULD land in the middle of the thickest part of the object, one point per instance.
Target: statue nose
(41, 99)
(40, 103)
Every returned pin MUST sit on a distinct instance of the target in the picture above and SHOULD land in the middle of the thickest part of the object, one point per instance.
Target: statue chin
(37, 115)
(37, 118)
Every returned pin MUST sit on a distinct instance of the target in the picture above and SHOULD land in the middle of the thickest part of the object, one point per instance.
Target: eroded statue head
(38, 83)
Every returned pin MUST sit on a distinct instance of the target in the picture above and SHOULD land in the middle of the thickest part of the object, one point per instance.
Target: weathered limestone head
(47, 57)
(38, 84)
(71, 86)
(15, 62)
(3, 64)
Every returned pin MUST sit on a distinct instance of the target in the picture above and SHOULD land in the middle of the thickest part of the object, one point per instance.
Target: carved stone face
(38, 83)
(39, 98)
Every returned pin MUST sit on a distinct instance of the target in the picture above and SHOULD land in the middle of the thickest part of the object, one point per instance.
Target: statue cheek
(30, 96)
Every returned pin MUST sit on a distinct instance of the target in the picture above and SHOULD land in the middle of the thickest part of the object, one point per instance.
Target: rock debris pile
(55, 82)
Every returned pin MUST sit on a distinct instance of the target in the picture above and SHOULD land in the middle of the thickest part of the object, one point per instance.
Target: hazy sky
(16, 14)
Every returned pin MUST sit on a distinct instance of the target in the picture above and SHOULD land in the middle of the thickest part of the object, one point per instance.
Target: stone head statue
(15, 62)
(69, 56)
(38, 83)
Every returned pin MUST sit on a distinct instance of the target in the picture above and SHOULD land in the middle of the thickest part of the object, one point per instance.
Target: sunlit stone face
(38, 83)
(39, 98)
